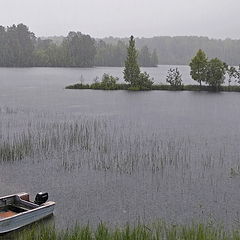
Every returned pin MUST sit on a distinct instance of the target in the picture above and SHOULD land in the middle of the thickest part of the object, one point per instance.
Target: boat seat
(6, 214)
(26, 205)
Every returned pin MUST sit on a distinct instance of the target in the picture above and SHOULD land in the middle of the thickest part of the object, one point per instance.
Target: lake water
(121, 156)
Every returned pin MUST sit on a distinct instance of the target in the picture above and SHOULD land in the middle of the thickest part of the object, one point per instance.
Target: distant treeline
(179, 50)
(114, 55)
(21, 48)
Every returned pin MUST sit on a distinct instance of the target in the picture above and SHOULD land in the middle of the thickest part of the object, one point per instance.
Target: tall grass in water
(159, 231)
(16, 149)
(99, 144)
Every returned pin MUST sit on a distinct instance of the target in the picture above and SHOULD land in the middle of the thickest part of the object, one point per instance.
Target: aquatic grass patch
(157, 231)
(97, 143)
(104, 146)
(17, 149)
(100, 145)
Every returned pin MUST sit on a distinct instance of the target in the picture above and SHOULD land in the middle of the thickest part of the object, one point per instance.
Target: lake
(120, 156)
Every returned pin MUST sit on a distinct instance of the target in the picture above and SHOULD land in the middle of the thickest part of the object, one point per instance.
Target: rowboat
(17, 210)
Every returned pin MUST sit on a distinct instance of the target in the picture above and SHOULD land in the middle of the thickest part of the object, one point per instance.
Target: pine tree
(132, 70)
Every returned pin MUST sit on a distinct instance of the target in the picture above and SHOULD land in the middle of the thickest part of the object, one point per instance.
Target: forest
(19, 47)
(179, 50)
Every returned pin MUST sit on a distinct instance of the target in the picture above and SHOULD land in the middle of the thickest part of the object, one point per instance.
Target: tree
(154, 58)
(109, 82)
(145, 57)
(132, 70)
(16, 46)
(110, 55)
(231, 72)
(80, 50)
(3, 46)
(145, 82)
(119, 54)
(215, 73)
(174, 78)
(237, 76)
(198, 67)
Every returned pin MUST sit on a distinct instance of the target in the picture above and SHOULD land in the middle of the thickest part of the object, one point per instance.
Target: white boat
(17, 210)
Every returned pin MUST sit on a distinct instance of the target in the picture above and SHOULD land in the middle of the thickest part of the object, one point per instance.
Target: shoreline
(159, 87)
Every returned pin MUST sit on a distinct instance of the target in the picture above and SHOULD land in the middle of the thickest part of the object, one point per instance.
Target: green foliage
(15, 150)
(238, 74)
(123, 86)
(231, 73)
(108, 82)
(79, 50)
(179, 50)
(198, 67)
(215, 73)
(146, 58)
(155, 231)
(79, 86)
(110, 55)
(230, 88)
(20, 48)
(114, 55)
(174, 78)
(144, 81)
(135, 88)
(154, 58)
(132, 74)
(211, 72)
(16, 46)
(131, 70)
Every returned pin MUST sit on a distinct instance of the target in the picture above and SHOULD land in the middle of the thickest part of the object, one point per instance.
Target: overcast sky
(121, 18)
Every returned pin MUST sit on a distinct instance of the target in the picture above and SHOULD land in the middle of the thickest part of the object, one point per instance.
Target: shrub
(78, 86)
(174, 78)
(108, 82)
(145, 82)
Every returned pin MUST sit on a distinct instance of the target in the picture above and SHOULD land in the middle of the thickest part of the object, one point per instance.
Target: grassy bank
(159, 231)
(124, 86)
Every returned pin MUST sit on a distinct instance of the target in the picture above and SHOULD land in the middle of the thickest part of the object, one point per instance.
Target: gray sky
(121, 18)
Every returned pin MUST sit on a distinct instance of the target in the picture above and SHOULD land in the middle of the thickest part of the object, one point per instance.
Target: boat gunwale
(38, 207)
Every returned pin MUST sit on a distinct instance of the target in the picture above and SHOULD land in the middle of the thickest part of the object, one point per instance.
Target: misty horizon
(139, 37)
(120, 37)
(216, 19)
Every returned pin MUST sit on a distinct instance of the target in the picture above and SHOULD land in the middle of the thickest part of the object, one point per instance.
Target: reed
(158, 231)
(99, 144)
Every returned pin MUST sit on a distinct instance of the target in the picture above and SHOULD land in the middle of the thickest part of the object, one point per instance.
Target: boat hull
(20, 220)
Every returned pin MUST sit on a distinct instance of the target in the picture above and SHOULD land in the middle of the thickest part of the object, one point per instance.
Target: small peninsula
(210, 74)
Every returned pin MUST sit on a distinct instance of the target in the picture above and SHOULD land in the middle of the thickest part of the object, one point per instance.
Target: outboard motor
(41, 198)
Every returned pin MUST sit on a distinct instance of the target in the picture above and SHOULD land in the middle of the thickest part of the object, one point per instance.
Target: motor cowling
(41, 198)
